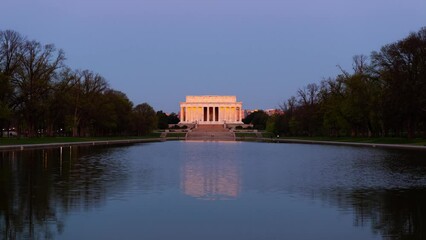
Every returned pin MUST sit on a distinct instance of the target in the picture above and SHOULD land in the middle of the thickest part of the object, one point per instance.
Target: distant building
(248, 112)
(270, 112)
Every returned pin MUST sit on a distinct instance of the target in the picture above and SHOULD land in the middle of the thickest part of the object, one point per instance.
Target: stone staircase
(210, 133)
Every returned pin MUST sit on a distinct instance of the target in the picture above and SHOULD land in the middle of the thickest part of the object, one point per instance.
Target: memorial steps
(210, 133)
(210, 128)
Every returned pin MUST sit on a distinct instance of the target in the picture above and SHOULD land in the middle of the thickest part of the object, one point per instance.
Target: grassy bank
(245, 134)
(176, 134)
(377, 140)
(41, 140)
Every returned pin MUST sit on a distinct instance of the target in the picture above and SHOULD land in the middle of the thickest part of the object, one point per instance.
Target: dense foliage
(385, 95)
(40, 95)
(257, 118)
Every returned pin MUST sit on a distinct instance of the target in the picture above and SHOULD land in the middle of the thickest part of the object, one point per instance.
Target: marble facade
(211, 110)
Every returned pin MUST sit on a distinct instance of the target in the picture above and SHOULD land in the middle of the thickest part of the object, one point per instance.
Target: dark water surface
(213, 190)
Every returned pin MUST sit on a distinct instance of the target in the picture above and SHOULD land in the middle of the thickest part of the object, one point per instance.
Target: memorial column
(184, 114)
(236, 114)
(208, 114)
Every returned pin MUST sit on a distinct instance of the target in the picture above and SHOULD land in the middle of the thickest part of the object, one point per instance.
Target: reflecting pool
(213, 190)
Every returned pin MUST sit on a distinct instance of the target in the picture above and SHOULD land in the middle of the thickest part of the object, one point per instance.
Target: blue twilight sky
(262, 51)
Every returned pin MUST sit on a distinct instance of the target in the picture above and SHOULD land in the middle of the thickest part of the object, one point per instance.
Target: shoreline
(22, 147)
(358, 144)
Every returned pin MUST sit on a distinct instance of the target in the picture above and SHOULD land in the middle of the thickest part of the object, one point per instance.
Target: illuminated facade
(211, 110)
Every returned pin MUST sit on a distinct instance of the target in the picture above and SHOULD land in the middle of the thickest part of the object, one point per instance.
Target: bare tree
(10, 45)
(33, 79)
(360, 64)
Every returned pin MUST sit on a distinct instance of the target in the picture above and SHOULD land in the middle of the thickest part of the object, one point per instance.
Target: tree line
(40, 95)
(384, 95)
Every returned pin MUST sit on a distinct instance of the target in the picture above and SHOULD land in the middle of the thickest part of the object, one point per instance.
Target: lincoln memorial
(211, 110)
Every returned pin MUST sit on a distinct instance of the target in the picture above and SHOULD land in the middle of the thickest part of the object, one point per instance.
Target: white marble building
(211, 110)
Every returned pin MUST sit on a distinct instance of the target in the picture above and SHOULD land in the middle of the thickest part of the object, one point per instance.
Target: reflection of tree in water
(395, 213)
(384, 190)
(38, 188)
(392, 213)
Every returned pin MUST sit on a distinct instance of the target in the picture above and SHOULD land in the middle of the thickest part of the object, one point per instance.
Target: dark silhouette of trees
(173, 118)
(308, 111)
(10, 46)
(122, 108)
(162, 120)
(401, 67)
(258, 119)
(276, 124)
(144, 119)
(40, 95)
(383, 96)
(32, 82)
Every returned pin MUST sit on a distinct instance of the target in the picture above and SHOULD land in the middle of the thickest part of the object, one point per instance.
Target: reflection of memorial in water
(215, 180)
